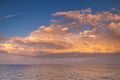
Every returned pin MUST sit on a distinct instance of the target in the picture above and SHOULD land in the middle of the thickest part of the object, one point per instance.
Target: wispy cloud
(10, 16)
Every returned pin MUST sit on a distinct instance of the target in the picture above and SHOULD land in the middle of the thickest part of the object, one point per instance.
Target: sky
(32, 29)
(24, 16)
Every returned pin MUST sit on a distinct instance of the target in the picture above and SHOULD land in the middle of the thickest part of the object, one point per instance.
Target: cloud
(3, 39)
(115, 10)
(10, 16)
(103, 35)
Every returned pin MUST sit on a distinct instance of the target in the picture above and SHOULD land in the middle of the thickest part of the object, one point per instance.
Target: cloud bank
(102, 35)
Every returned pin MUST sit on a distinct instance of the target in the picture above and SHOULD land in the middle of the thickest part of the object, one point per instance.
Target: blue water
(59, 72)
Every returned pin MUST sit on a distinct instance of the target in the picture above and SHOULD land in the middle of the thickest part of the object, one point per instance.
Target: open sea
(60, 72)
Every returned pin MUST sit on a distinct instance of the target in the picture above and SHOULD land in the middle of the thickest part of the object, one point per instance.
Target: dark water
(60, 72)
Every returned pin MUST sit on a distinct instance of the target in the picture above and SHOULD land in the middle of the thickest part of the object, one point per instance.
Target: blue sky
(20, 17)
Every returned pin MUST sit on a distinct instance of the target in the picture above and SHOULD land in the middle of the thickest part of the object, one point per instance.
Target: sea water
(60, 72)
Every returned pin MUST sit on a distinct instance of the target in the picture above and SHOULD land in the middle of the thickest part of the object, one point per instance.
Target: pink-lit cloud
(103, 35)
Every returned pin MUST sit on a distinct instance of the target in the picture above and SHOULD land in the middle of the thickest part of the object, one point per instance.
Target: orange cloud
(103, 35)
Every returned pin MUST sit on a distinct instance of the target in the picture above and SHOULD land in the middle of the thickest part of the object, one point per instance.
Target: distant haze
(61, 59)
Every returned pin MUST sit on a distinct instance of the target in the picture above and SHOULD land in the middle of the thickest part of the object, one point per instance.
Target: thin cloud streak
(10, 16)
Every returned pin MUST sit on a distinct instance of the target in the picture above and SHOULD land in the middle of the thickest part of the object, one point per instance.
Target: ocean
(60, 72)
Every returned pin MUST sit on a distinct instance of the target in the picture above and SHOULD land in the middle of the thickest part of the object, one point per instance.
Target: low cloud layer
(95, 33)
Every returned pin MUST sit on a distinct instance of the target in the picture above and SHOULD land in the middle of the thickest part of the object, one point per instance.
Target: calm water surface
(60, 72)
